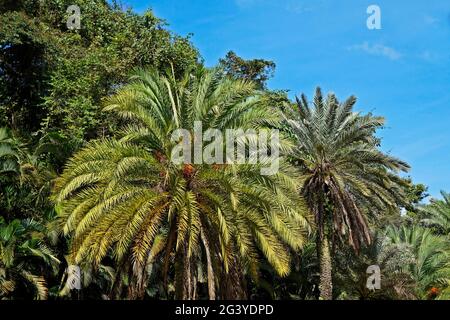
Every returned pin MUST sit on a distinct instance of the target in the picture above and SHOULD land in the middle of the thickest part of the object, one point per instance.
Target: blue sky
(401, 72)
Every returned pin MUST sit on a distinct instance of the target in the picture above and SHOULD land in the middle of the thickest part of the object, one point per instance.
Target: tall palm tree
(23, 256)
(128, 199)
(345, 177)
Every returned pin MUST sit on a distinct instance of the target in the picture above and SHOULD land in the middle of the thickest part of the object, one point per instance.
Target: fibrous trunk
(326, 284)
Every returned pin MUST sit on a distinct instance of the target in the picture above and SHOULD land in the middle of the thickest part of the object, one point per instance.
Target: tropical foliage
(345, 178)
(24, 259)
(127, 195)
(87, 179)
(436, 215)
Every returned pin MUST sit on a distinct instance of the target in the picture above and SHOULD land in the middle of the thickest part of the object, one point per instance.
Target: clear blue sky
(401, 72)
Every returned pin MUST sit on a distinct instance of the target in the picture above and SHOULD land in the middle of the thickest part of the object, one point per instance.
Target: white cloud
(377, 50)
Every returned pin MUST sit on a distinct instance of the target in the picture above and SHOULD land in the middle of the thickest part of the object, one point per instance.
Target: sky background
(401, 72)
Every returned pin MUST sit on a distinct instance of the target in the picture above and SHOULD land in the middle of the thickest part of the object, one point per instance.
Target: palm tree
(396, 283)
(345, 177)
(127, 199)
(430, 268)
(23, 255)
(437, 214)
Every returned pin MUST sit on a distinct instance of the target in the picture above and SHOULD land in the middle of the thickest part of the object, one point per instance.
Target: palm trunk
(210, 270)
(185, 276)
(233, 285)
(326, 282)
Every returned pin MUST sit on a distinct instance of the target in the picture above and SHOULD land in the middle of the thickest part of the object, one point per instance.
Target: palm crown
(342, 165)
(126, 197)
(343, 173)
(430, 267)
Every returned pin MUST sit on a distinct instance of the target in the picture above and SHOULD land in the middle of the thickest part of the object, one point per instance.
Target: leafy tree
(345, 177)
(127, 197)
(53, 79)
(23, 53)
(54, 149)
(257, 70)
(416, 193)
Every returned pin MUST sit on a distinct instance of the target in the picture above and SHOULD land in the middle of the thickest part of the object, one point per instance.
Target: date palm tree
(430, 268)
(345, 177)
(127, 199)
(351, 276)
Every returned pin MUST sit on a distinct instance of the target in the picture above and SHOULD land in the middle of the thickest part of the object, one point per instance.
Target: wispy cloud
(377, 49)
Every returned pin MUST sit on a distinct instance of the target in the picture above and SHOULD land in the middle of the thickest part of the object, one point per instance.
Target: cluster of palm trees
(139, 225)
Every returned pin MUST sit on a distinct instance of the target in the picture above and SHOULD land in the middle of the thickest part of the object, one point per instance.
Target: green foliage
(415, 195)
(436, 215)
(23, 256)
(350, 275)
(121, 196)
(342, 167)
(414, 264)
(9, 156)
(430, 267)
(53, 79)
(23, 50)
(345, 177)
(141, 226)
(256, 70)
(25, 180)
(302, 283)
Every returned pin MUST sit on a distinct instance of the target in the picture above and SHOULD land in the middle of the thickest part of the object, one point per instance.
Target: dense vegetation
(86, 179)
